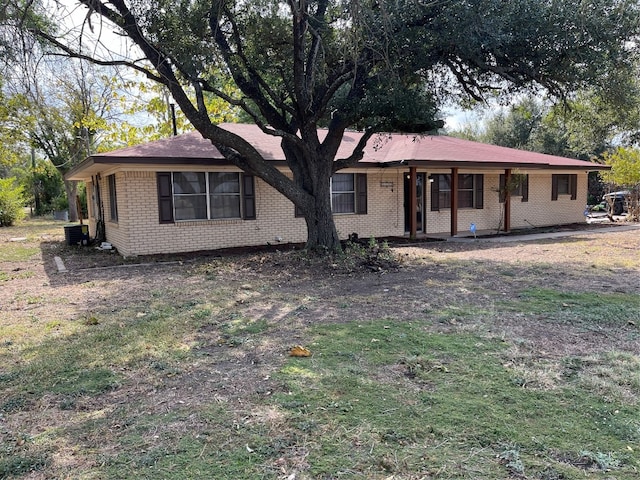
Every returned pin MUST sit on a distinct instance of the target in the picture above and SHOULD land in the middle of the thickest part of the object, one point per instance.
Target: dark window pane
(189, 183)
(444, 182)
(444, 199)
(465, 199)
(465, 182)
(225, 194)
(563, 184)
(225, 206)
(519, 180)
(190, 207)
(224, 182)
(465, 191)
(343, 203)
(343, 182)
(113, 202)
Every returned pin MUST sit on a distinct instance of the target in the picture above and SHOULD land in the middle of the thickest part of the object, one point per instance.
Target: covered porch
(415, 202)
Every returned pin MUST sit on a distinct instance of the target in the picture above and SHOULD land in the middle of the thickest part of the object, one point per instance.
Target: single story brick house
(179, 194)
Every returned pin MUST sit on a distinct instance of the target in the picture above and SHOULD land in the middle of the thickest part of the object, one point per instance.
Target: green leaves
(557, 45)
(625, 167)
(11, 202)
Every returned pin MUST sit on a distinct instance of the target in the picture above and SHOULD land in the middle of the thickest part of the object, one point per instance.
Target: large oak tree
(375, 65)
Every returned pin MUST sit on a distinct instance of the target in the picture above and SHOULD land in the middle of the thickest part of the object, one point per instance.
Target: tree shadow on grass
(164, 340)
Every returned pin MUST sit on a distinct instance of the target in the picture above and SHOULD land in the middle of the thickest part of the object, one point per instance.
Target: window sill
(217, 221)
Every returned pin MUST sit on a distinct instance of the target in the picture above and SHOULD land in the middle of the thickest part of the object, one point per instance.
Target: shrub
(11, 202)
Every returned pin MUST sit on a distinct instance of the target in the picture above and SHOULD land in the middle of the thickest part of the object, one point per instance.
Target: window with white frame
(343, 193)
(466, 191)
(205, 196)
(564, 184)
(190, 195)
(518, 186)
(444, 192)
(348, 194)
(224, 194)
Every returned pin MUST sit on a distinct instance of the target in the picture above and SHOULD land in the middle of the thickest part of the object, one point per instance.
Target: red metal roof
(383, 149)
(440, 148)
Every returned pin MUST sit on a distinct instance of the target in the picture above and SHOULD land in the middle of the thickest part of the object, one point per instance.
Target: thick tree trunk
(71, 188)
(312, 173)
(321, 229)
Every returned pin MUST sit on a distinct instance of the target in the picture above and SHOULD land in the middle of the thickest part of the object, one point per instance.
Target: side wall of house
(99, 204)
(385, 210)
(541, 211)
(117, 230)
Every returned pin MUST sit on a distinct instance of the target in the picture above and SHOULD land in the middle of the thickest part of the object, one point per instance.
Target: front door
(420, 219)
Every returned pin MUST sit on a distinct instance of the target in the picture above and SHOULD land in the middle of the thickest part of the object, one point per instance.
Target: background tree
(625, 174)
(589, 125)
(69, 110)
(518, 127)
(146, 113)
(583, 127)
(61, 108)
(8, 156)
(11, 202)
(377, 65)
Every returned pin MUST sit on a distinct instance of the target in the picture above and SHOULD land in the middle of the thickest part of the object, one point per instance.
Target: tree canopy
(625, 168)
(587, 125)
(377, 65)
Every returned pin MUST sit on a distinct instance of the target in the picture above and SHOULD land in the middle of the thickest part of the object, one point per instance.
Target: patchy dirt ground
(292, 288)
(288, 291)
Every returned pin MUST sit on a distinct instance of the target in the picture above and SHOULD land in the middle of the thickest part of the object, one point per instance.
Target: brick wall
(539, 211)
(118, 232)
(138, 231)
(385, 211)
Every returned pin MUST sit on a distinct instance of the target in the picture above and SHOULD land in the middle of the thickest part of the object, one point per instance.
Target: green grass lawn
(188, 377)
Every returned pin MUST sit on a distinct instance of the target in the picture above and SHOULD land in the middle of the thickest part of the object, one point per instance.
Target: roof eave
(97, 163)
(503, 165)
(75, 172)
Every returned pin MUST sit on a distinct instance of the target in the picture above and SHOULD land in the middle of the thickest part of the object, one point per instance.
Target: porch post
(507, 200)
(454, 202)
(413, 207)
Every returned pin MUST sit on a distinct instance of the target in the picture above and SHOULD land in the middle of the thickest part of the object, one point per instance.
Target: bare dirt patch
(249, 308)
(279, 285)
(310, 289)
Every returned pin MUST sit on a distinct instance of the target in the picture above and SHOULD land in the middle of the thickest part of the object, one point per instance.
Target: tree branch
(254, 85)
(358, 152)
(69, 52)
